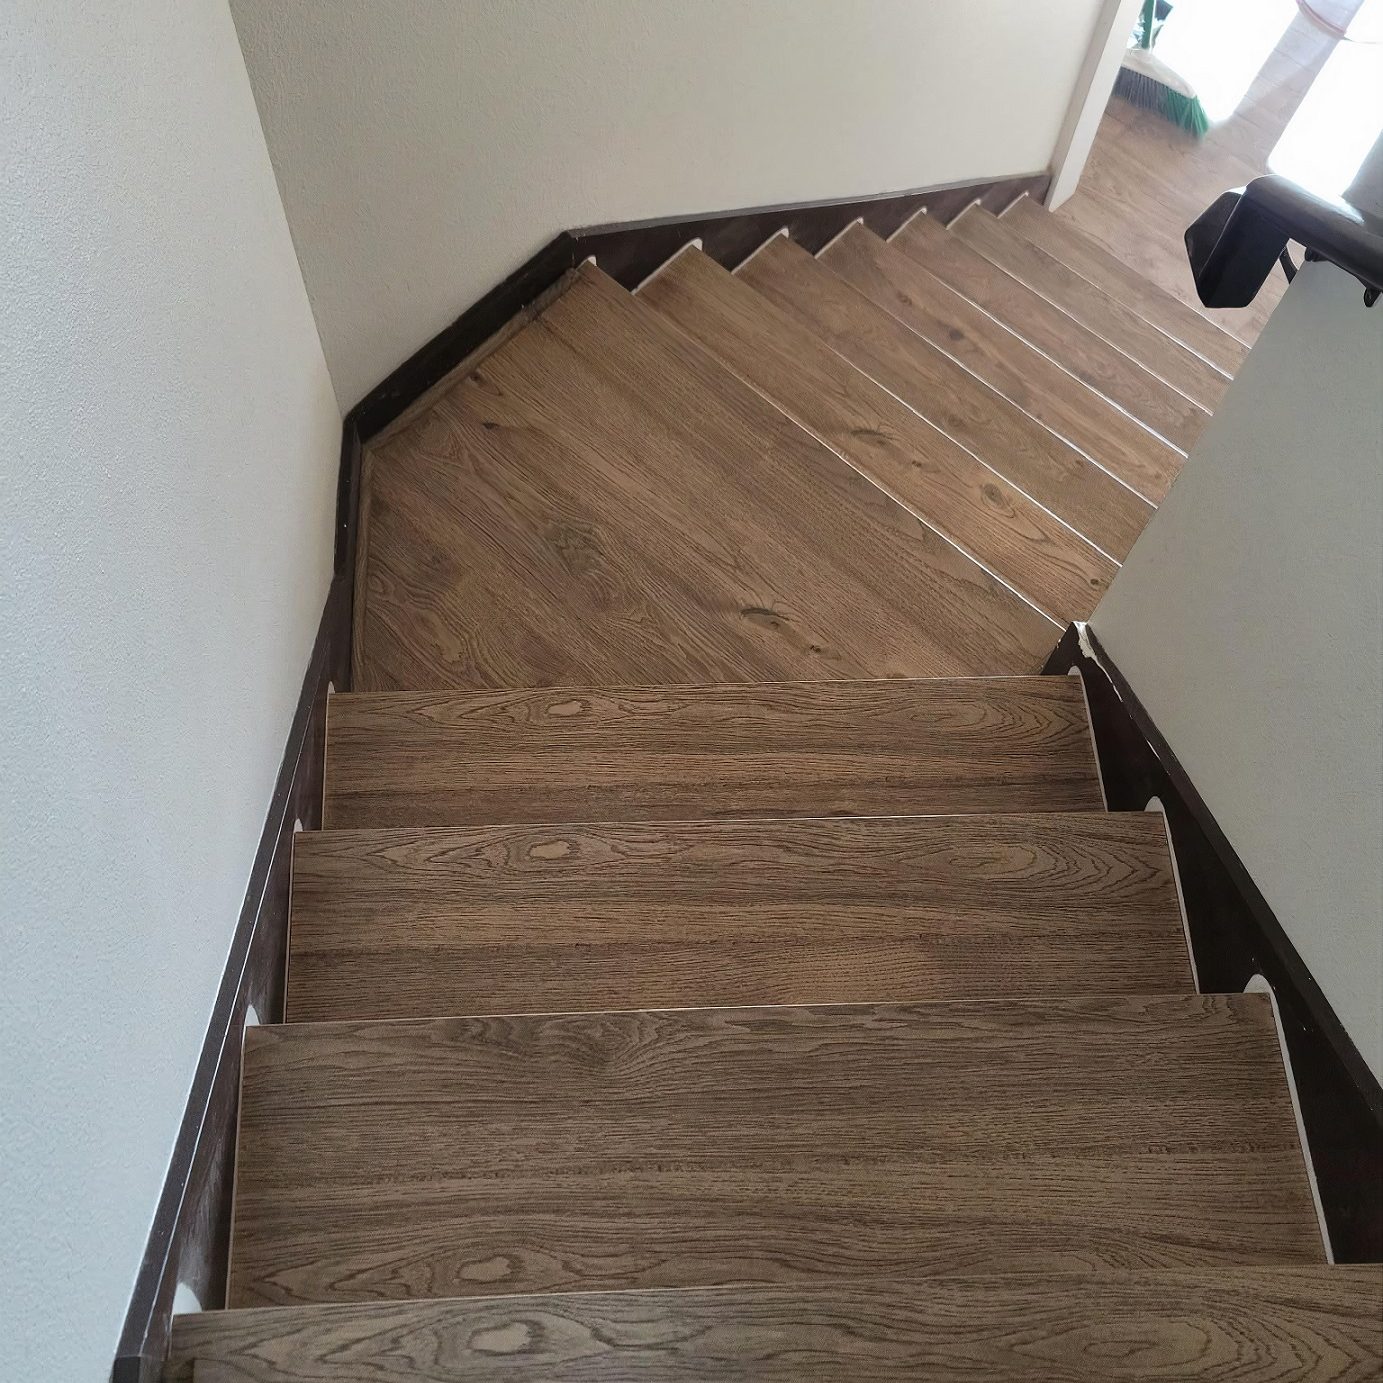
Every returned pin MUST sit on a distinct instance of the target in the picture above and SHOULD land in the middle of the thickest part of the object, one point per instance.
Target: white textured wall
(1249, 621)
(1094, 87)
(170, 444)
(425, 148)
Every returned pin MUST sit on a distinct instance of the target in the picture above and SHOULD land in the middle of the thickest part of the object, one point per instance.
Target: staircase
(718, 961)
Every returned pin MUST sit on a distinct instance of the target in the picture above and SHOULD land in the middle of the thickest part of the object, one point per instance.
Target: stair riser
(884, 748)
(456, 1157)
(1112, 1328)
(414, 923)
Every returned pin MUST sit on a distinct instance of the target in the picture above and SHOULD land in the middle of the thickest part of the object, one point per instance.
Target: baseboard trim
(191, 1228)
(1235, 936)
(631, 250)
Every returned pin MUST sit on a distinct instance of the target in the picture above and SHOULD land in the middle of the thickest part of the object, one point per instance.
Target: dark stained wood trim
(631, 250)
(190, 1234)
(1080, 1326)
(1235, 935)
(347, 500)
(433, 361)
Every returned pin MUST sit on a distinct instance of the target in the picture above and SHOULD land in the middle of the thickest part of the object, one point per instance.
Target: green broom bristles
(1185, 111)
(1142, 88)
(1145, 80)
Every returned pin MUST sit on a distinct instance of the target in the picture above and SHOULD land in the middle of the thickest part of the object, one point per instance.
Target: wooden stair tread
(410, 923)
(1177, 1325)
(1048, 562)
(1092, 359)
(1139, 213)
(642, 515)
(913, 599)
(959, 403)
(1083, 253)
(896, 282)
(214, 1370)
(1106, 316)
(455, 1157)
(680, 753)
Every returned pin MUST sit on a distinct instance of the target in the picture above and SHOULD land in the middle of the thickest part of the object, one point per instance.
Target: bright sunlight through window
(1220, 46)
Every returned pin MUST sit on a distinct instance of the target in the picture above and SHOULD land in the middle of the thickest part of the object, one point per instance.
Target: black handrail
(1235, 242)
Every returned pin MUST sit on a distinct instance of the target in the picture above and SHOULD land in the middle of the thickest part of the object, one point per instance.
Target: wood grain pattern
(1236, 935)
(1254, 1325)
(456, 1157)
(888, 747)
(414, 923)
(1109, 318)
(603, 501)
(924, 591)
(1081, 352)
(1145, 182)
(209, 1371)
(975, 506)
(959, 403)
(1065, 241)
(1036, 384)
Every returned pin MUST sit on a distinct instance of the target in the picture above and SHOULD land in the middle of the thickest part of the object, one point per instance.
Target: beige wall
(426, 148)
(170, 451)
(1094, 87)
(1249, 621)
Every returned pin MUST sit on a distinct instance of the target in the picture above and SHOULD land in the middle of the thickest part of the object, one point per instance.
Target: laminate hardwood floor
(959, 403)
(522, 919)
(678, 753)
(458, 1157)
(1142, 187)
(1083, 353)
(1023, 375)
(1106, 316)
(601, 501)
(951, 488)
(701, 972)
(1257, 1325)
(1064, 240)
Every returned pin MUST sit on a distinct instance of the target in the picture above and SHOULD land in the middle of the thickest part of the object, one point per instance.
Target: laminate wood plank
(455, 1157)
(1015, 537)
(890, 747)
(917, 604)
(1144, 183)
(1081, 352)
(208, 1371)
(468, 364)
(1165, 356)
(1149, 251)
(1255, 1325)
(1182, 167)
(1065, 241)
(497, 557)
(634, 512)
(1022, 374)
(411, 923)
(748, 582)
(1186, 186)
(957, 402)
